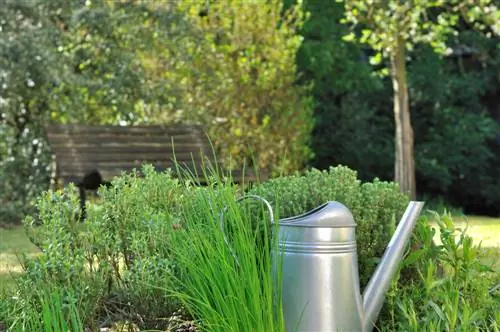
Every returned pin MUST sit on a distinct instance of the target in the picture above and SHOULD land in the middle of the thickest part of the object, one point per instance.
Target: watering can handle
(266, 203)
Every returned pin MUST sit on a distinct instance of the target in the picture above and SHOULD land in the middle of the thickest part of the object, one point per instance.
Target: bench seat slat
(138, 129)
(132, 157)
(124, 140)
(155, 149)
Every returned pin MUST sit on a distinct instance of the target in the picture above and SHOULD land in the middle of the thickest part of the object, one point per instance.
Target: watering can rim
(299, 220)
(325, 219)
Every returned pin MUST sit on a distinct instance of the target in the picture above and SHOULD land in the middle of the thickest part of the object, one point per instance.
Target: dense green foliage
(154, 63)
(376, 206)
(454, 101)
(150, 63)
(240, 79)
(58, 61)
(28, 72)
(449, 288)
(154, 244)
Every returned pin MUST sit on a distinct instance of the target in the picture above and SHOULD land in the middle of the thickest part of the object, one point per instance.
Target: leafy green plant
(130, 238)
(376, 206)
(240, 77)
(62, 266)
(451, 289)
(110, 261)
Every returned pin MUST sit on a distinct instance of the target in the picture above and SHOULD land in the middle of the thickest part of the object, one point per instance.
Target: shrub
(375, 206)
(451, 289)
(63, 266)
(117, 259)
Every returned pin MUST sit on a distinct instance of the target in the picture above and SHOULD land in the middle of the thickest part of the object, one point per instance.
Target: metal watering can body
(319, 270)
(316, 255)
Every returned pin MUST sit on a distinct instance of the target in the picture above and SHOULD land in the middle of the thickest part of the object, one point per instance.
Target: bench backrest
(111, 150)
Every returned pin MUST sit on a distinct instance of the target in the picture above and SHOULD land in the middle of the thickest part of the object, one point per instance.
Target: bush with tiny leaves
(376, 206)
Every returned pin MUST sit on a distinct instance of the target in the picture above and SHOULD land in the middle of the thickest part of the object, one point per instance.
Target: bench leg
(83, 211)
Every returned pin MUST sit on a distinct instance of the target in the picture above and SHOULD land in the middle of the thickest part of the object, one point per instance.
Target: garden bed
(160, 248)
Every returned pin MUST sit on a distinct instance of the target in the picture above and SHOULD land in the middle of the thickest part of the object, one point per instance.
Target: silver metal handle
(266, 203)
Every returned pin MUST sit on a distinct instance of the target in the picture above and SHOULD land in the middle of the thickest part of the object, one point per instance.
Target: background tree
(29, 73)
(120, 82)
(239, 80)
(349, 128)
(391, 28)
(151, 62)
(60, 63)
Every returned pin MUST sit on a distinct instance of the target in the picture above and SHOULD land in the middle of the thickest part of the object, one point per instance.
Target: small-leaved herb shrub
(115, 262)
(451, 290)
(376, 206)
(63, 265)
(131, 239)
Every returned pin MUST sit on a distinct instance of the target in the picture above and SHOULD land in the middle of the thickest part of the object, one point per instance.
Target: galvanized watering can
(319, 265)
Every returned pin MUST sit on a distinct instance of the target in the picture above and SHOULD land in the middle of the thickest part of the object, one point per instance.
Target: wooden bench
(78, 150)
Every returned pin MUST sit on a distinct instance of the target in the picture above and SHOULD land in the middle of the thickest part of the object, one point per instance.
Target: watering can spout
(373, 296)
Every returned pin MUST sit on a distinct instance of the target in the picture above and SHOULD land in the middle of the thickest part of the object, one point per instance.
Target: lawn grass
(484, 231)
(13, 242)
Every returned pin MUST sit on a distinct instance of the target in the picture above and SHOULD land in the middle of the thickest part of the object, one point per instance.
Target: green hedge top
(376, 206)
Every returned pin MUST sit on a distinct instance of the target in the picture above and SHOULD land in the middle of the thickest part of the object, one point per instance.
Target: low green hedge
(376, 206)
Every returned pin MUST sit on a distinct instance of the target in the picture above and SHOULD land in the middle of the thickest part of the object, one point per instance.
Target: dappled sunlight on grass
(491, 257)
(13, 243)
(482, 229)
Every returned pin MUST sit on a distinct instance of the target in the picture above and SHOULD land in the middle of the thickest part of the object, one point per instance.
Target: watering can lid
(330, 214)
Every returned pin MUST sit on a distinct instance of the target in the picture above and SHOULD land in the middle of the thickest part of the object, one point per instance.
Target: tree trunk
(404, 167)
